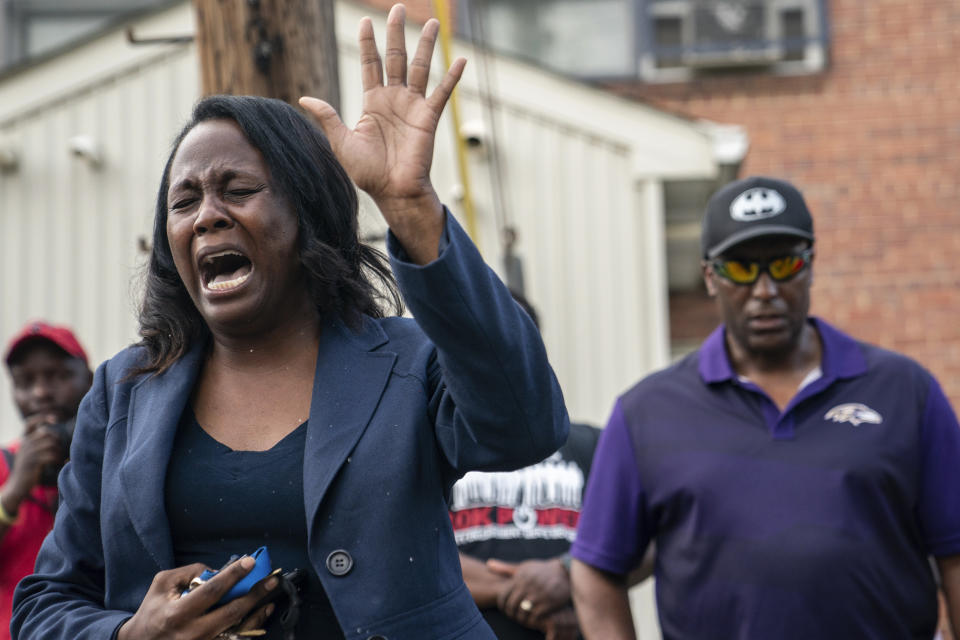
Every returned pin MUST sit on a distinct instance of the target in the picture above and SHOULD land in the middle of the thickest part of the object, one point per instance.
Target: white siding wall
(580, 242)
(70, 233)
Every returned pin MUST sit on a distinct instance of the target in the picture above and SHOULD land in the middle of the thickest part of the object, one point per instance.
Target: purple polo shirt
(813, 522)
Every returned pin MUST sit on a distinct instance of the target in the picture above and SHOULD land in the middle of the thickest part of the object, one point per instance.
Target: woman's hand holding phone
(166, 613)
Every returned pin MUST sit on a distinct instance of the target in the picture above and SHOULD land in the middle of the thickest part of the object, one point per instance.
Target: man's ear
(708, 276)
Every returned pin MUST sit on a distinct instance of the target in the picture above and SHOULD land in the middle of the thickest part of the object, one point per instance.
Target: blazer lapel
(156, 405)
(347, 386)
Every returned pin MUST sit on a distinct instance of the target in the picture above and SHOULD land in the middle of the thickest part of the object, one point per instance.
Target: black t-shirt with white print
(530, 513)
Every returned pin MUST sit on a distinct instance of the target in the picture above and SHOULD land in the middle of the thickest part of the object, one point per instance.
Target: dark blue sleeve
(494, 399)
(64, 598)
(612, 533)
(939, 505)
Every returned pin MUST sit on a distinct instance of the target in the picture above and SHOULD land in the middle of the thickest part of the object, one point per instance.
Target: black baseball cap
(754, 207)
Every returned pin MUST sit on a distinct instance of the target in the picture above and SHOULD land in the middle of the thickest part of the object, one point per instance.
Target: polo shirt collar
(714, 363)
(842, 355)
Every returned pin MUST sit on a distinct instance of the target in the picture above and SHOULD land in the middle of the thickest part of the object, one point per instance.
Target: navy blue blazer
(400, 410)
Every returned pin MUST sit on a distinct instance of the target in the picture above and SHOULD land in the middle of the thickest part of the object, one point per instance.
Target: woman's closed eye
(243, 192)
(182, 203)
(236, 193)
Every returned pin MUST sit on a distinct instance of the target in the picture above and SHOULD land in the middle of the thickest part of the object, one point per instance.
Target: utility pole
(275, 48)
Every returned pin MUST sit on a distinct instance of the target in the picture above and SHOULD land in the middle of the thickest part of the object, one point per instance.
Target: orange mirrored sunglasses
(780, 269)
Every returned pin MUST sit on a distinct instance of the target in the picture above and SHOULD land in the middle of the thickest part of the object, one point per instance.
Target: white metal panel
(69, 232)
(572, 214)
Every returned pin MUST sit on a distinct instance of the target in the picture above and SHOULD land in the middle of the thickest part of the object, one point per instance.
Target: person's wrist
(17, 489)
(413, 209)
(418, 225)
(8, 512)
(121, 632)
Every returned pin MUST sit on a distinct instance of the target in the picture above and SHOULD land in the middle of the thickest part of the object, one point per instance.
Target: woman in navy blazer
(262, 333)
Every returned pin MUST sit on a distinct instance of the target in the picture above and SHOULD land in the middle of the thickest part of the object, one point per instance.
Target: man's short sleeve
(939, 506)
(611, 534)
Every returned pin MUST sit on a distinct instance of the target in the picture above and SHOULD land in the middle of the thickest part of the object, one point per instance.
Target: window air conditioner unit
(732, 33)
(717, 33)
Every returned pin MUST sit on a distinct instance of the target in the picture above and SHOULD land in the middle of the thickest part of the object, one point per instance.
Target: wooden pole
(275, 48)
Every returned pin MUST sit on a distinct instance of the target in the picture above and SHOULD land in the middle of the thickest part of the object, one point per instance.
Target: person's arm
(38, 448)
(492, 396)
(645, 570)
(613, 535)
(602, 604)
(8, 514)
(485, 585)
(949, 567)
(938, 508)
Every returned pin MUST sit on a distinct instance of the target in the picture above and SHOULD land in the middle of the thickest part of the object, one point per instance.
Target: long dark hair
(345, 277)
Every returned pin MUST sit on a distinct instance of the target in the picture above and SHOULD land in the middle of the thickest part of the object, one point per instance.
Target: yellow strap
(440, 10)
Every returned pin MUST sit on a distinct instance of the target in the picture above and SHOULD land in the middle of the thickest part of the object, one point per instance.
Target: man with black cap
(50, 376)
(796, 481)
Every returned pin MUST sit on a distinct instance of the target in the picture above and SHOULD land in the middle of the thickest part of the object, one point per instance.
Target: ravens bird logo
(854, 413)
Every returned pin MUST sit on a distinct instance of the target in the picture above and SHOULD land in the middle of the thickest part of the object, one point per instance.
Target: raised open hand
(389, 153)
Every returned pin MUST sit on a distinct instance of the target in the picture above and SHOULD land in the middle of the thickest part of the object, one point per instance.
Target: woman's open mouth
(225, 270)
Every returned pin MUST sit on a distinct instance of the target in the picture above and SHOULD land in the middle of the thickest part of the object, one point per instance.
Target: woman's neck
(283, 343)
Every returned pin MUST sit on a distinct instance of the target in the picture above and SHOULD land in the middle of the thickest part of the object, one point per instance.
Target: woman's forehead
(215, 146)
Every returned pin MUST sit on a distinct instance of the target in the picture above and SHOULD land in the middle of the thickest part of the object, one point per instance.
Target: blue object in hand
(260, 570)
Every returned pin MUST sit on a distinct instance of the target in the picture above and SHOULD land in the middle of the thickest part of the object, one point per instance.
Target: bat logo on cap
(757, 204)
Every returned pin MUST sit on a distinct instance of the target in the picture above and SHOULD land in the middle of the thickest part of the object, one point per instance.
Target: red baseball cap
(61, 337)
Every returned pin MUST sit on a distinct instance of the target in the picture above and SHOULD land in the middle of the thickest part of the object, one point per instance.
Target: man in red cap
(50, 375)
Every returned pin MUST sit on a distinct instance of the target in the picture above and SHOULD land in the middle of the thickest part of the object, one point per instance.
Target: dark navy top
(222, 502)
(813, 522)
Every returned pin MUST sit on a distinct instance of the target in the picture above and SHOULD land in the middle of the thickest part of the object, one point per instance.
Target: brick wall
(874, 143)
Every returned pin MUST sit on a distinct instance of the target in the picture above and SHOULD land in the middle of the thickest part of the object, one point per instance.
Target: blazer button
(339, 562)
